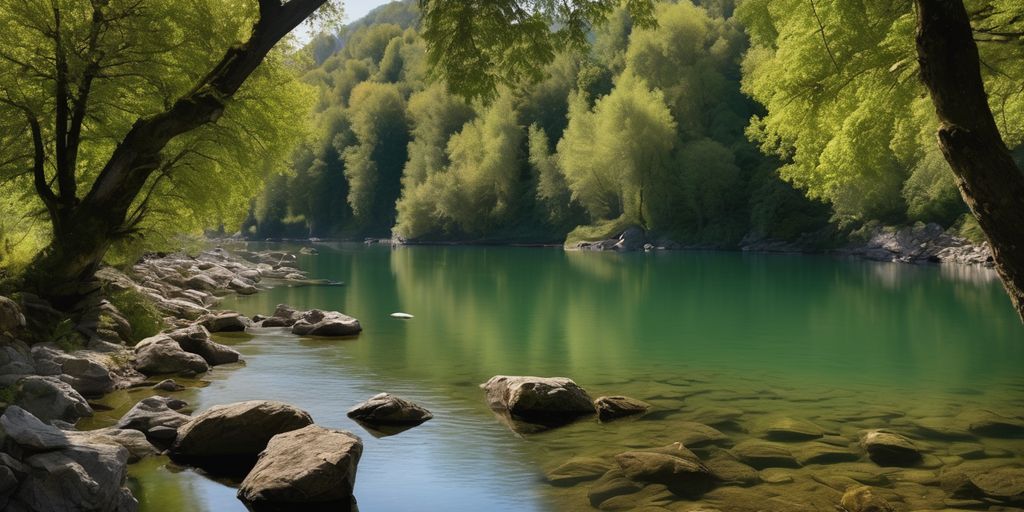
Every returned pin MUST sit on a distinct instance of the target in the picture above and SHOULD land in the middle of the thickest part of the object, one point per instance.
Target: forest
(690, 130)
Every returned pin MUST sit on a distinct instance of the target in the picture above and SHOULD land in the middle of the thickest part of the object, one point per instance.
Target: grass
(140, 312)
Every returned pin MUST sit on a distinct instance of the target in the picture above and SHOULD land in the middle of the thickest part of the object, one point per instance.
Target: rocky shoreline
(47, 387)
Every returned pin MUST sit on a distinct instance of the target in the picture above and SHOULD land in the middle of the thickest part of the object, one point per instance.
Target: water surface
(691, 332)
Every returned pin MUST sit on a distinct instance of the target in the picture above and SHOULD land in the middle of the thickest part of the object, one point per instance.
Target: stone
(162, 355)
(11, 318)
(227, 321)
(29, 432)
(79, 477)
(991, 424)
(229, 437)
(132, 440)
(195, 339)
(614, 407)
(154, 411)
(578, 470)
(733, 472)
(548, 400)
(611, 484)
(890, 449)
(763, 454)
(81, 370)
(49, 398)
(387, 409)
(312, 468)
(791, 429)
(168, 385)
(698, 435)
(822, 453)
(325, 323)
(863, 499)
(15, 358)
(683, 477)
(163, 435)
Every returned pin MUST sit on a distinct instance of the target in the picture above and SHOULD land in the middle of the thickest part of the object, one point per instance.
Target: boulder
(48, 398)
(168, 385)
(863, 499)
(545, 400)
(387, 409)
(78, 477)
(284, 316)
(82, 371)
(15, 358)
(683, 476)
(890, 449)
(228, 438)
(325, 323)
(577, 470)
(28, 432)
(161, 354)
(614, 407)
(242, 286)
(132, 440)
(195, 339)
(11, 318)
(312, 468)
(226, 321)
(154, 411)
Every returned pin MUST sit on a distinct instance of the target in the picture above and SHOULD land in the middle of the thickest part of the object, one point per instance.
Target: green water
(847, 344)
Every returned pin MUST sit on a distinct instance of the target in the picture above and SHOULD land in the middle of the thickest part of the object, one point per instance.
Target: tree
(989, 179)
(103, 93)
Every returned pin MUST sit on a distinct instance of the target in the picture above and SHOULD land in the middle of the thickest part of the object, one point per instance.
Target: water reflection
(655, 326)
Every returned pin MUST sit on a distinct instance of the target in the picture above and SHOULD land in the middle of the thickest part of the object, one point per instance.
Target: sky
(355, 9)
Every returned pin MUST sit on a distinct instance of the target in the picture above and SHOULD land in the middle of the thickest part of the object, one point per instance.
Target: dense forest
(666, 128)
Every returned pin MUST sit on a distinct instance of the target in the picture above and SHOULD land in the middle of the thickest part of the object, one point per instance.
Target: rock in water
(387, 409)
(227, 321)
(325, 323)
(614, 407)
(161, 354)
(403, 316)
(152, 412)
(889, 449)
(862, 499)
(196, 340)
(312, 468)
(228, 438)
(683, 476)
(544, 400)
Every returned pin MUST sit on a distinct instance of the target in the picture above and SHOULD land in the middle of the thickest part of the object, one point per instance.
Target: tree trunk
(84, 230)
(989, 180)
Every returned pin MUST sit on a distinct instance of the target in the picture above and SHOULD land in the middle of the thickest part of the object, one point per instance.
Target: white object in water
(403, 316)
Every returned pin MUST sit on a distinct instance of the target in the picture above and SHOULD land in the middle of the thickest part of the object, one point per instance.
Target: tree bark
(989, 180)
(85, 230)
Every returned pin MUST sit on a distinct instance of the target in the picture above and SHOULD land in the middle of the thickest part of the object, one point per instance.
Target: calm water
(805, 336)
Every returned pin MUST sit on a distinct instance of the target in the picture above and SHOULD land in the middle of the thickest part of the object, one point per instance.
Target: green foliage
(65, 336)
(140, 312)
(846, 112)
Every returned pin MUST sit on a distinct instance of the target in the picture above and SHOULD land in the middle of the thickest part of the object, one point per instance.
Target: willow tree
(110, 107)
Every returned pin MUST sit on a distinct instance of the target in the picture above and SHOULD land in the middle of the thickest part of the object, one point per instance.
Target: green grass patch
(140, 312)
(602, 230)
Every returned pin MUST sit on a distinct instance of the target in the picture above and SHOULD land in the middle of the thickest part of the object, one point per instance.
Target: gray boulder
(325, 323)
(78, 477)
(154, 411)
(15, 358)
(160, 355)
(226, 321)
(614, 407)
(195, 339)
(387, 409)
(132, 440)
(227, 438)
(538, 399)
(83, 371)
(311, 468)
(28, 432)
(168, 385)
(48, 398)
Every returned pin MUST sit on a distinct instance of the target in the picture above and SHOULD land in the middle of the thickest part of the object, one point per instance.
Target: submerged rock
(791, 429)
(577, 470)
(863, 499)
(611, 484)
(544, 400)
(387, 409)
(228, 438)
(325, 323)
(614, 407)
(889, 449)
(312, 468)
(683, 476)
(762, 454)
(699, 435)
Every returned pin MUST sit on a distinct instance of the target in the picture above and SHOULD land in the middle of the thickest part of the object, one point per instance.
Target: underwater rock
(683, 476)
(863, 499)
(890, 449)
(614, 407)
(578, 470)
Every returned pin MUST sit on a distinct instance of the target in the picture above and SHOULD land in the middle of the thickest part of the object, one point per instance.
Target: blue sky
(355, 9)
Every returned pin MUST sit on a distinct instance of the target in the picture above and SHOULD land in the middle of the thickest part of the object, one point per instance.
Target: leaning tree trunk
(83, 230)
(989, 179)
